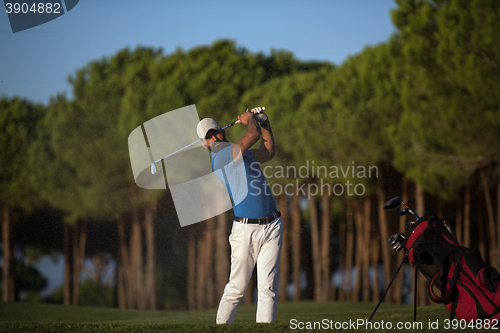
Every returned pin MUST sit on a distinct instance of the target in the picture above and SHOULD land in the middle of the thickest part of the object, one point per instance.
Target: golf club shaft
(233, 123)
(238, 121)
(192, 143)
(410, 210)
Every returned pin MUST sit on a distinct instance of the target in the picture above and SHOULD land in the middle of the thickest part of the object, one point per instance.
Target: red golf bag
(458, 276)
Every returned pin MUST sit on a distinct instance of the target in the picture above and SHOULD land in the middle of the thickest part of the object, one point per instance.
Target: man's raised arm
(266, 150)
(251, 136)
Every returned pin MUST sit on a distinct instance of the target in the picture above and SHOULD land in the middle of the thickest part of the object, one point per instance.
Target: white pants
(253, 244)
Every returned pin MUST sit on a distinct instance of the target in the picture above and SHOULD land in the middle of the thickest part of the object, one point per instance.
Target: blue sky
(36, 63)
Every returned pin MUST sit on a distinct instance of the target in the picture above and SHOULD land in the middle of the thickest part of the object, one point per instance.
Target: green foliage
(215, 77)
(297, 129)
(57, 181)
(364, 102)
(92, 293)
(31, 297)
(18, 119)
(83, 138)
(333, 116)
(29, 281)
(28, 278)
(450, 125)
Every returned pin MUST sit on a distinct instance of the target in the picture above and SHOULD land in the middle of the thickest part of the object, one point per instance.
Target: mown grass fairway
(23, 317)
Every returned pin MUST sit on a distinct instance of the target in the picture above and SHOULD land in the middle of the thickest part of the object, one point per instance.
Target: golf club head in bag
(394, 204)
(403, 212)
(397, 241)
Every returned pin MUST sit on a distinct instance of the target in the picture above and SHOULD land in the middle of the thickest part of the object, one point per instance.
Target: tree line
(421, 109)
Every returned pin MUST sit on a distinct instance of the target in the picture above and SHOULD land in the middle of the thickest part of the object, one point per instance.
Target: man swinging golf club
(256, 235)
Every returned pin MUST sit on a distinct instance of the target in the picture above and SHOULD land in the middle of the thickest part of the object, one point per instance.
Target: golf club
(397, 241)
(153, 167)
(403, 212)
(394, 203)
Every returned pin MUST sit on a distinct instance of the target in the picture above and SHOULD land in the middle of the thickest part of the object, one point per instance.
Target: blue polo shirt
(245, 183)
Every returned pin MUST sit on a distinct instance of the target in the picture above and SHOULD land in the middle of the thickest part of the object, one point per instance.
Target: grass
(27, 317)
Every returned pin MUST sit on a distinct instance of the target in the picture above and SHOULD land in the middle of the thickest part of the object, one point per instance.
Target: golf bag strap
(451, 286)
(453, 308)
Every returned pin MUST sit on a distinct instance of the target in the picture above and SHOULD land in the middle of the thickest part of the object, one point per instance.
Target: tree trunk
(76, 264)
(68, 265)
(296, 248)
(136, 260)
(150, 255)
(124, 297)
(135, 264)
(191, 269)
(422, 281)
(397, 295)
(79, 243)
(362, 284)
(76, 271)
(209, 263)
(325, 247)
(384, 235)
(439, 204)
(222, 255)
(8, 269)
(359, 254)
(365, 222)
(498, 225)
(284, 265)
(375, 259)
(343, 287)
(491, 219)
(482, 226)
(350, 222)
(200, 274)
(467, 207)
(315, 247)
(458, 223)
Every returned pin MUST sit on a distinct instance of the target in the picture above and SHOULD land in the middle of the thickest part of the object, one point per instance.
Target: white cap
(205, 125)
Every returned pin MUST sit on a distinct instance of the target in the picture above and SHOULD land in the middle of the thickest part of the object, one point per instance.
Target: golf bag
(458, 276)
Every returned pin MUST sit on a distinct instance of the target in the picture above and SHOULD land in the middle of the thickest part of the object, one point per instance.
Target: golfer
(257, 231)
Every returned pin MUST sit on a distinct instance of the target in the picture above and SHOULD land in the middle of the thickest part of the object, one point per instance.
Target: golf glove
(259, 115)
(257, 110)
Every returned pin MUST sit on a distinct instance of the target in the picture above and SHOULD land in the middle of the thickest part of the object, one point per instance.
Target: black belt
(261, 220)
